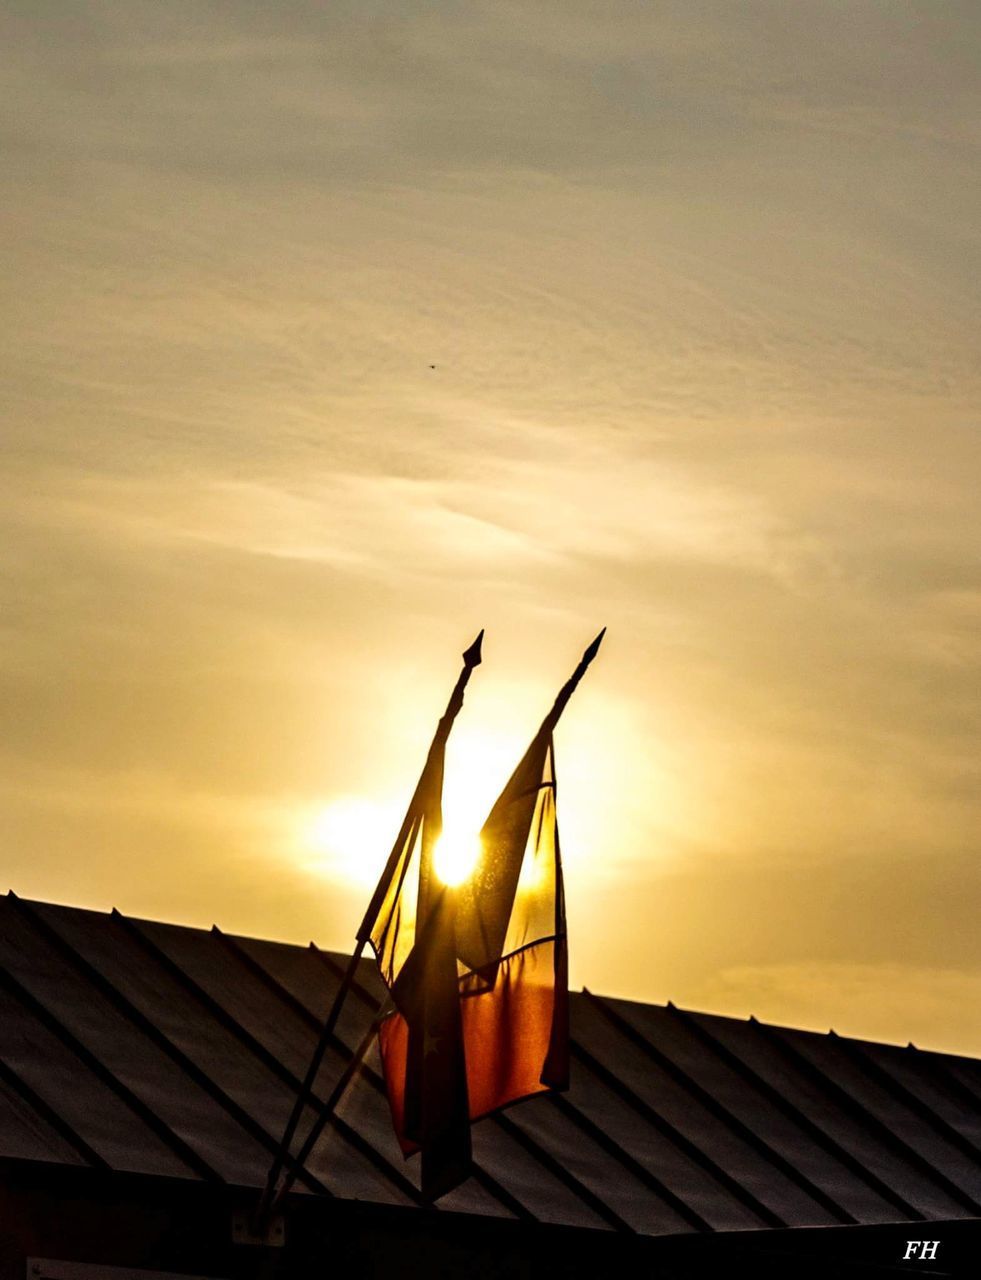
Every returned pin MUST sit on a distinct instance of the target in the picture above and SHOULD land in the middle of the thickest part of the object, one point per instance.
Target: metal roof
(143, 1047)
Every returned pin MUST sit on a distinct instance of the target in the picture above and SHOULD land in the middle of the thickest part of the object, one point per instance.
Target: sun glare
(351, 839)
(455, 856)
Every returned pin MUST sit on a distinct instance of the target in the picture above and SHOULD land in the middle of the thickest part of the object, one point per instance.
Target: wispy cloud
(700, 290)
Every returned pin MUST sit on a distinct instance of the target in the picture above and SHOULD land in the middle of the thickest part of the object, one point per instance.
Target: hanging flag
(511, 943)
(479, 971)
(409, 926)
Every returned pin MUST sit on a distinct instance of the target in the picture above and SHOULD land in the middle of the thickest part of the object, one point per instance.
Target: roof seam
(634, 1166)
(718, 1109)
(253, 966)
(779, 1100)
(953, 1084)
(214, 1007)
(163, 1042)
(351, 1135)
(46, 1112)
(136, 1104)
(559, 1171)
(846, 1102)
(684, 1144)
(728, 1117)
(498, 1190)
(909, 1099)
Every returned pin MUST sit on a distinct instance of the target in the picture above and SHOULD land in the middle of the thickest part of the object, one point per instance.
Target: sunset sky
(701, 286)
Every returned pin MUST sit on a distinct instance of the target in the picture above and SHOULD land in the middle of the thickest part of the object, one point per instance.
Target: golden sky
(701, 285)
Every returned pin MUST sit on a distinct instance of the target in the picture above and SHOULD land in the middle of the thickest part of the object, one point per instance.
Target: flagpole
(329, 1107)
(471, 659)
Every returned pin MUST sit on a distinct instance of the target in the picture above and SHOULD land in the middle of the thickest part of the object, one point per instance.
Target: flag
(478, 972)
(409, 926)
(511, 938)
(512, 944)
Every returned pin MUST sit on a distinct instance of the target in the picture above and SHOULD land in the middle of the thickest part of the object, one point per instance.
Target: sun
(349, 838)
(455, 856)
(477, 766)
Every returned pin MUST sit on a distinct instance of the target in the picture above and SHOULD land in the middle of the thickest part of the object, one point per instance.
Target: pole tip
(472, 656)
(593, 649)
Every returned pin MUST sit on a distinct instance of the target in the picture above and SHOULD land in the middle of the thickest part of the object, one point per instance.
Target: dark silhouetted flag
(478, 973)
(409, 925)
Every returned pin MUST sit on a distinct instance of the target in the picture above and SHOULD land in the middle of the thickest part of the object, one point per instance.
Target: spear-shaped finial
(593, 649)
(567, 690)
(471, 656)
(471, 659)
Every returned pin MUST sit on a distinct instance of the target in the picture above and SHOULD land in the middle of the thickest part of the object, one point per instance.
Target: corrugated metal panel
(208, 1051)
(688, 1183)
(312, 984)
(108, 1071)
(768, 1191)
(148, 1047)
(813, 1112)
(943, 1173)
(664, 1034)
(537, 1187)
(965, 1073)
(27, 1135)
(927, 1078)
(89, 1104)
(889, 1172)
(788, 1129)
(556, 1130)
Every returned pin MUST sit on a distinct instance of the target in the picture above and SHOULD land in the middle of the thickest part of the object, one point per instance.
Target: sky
(700, 282)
